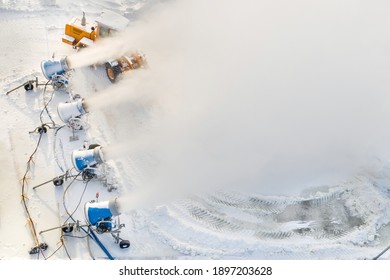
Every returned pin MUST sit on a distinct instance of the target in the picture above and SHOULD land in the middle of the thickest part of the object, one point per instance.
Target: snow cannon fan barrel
(85, 159)
(99, 214)
(54, 67)
(68, 110)
(102, 210)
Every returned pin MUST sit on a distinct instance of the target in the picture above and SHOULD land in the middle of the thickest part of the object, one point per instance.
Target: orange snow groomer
(79, 33)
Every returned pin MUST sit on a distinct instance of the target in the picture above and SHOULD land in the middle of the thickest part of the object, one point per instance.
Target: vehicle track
(251, 217)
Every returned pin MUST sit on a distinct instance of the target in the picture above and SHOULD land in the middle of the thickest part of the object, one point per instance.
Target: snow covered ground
(216, 207)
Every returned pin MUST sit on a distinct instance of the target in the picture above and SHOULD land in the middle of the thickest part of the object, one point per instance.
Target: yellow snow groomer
(79, 33)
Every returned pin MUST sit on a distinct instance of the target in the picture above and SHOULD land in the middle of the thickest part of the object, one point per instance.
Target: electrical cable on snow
(59, 247)
(70, 215)
(62, 240)
(55, 150)
(39, 247)
(90, 232)
(45, 104)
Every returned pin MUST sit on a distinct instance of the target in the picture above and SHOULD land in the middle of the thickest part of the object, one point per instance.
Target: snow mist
(101, 51)
(263, 96)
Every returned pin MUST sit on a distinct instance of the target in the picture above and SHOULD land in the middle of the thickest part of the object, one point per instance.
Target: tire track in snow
(321, 217)
(191, 240)
(199, 226)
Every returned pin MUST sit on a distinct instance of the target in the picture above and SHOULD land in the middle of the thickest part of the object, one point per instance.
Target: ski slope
(343, 220)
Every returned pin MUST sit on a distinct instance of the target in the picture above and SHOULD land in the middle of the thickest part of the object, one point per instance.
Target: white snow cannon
(71, 112)
(55, 71)
(87, 160)
(101, 216)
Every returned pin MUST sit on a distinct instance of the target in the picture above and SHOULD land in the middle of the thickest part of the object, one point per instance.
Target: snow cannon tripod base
(57, 181)
(71, 114)
(104, 218)
(28, 86)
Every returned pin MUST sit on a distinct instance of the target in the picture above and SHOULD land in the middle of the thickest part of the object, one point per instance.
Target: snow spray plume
(101, 51)
(131, 89)
(145, 200)
(139, 36)
(120, 150)
(266, 99)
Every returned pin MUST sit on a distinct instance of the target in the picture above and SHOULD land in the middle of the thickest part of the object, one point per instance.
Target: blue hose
(100, 244)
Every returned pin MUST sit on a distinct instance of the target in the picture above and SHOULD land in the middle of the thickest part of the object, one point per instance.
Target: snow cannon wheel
(58, 182)
(42, 129)
(123, 244)
(112, 72)
(28, 86)
(67, 229)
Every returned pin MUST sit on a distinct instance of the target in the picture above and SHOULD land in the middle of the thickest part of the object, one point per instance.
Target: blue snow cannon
(100, 214)
(86, 160)
(50, 68)
(56, 72)
(103, 216)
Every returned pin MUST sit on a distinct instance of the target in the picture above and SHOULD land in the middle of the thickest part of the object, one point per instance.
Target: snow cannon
(54, 67)
(71, 112)
(87, 160)
(55, 71)
(99, 214)
(104, 216)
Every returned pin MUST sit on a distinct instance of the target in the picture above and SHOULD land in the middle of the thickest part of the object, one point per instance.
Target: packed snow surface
(257, 131)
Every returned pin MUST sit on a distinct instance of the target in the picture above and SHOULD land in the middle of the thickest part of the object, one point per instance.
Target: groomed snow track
(201, 226)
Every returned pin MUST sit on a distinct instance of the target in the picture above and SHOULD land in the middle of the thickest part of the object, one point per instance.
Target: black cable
(84, 236)
(72, 175)
(52, 254)
(46, 104)
(24, 197)
(40, 247)
(63, 243)
(54, 148)
(70, 215)
(88, 234)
